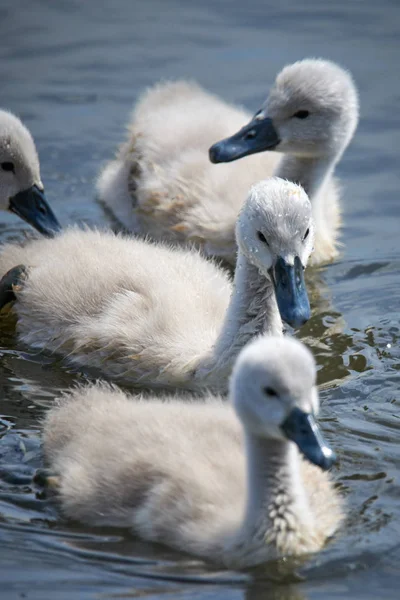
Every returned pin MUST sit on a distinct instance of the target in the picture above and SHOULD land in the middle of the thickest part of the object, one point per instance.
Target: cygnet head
(273, 388)
(21, 189)
(311, 111)
(275, 232)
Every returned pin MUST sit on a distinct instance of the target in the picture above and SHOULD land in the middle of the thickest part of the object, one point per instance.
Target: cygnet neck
(277, 507)
(310, 172)
(252, 311)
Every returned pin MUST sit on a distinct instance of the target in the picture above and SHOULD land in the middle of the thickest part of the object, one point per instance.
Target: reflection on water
(72, 71)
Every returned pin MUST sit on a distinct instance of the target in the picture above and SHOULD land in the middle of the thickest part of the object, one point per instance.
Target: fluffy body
(153, 315)
(161, 182)
(175, 472)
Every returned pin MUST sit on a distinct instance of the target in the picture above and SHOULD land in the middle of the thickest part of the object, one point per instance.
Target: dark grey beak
(257, 136)
(31, 205)
(302, 429)
(290, 291)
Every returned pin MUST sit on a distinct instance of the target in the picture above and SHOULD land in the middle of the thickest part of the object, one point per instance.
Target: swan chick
(21, 188)
(151, 315)
(161, 183)
(223, 481)
(310, 115)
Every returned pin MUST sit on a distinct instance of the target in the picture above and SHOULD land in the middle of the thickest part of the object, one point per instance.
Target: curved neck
(310, 173)
(252, 311)
(277, 512)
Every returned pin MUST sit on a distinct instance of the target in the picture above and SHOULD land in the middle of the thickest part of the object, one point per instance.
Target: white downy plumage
(156, 316)
(175, 472)
(162, 183)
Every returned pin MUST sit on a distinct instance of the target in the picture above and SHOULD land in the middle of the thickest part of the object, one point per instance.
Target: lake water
(72, 71)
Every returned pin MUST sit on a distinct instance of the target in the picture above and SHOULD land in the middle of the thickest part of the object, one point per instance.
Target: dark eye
(306, 234)
(269, 391)
(7, 166)
(262, 237)
(301, 114)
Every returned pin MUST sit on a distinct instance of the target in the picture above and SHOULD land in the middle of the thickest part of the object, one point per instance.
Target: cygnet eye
(269, 391)
(7, 166)
(262, 237)
(306, 234)
(301, 114)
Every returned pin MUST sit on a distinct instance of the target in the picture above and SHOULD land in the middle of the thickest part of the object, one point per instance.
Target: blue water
(72, 71)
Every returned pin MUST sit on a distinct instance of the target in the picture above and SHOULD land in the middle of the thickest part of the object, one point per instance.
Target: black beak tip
(321, 456)
(296, 319)
(301, 320)
(213, 154)
(328, 459)
(52, 231)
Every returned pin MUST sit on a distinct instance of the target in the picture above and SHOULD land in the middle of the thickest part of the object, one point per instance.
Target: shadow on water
(72, 71)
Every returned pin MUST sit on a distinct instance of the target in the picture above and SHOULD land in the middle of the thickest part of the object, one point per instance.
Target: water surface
(72, 71)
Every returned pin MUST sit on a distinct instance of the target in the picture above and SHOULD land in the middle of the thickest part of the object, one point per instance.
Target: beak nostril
(250, 135)
(40, 207)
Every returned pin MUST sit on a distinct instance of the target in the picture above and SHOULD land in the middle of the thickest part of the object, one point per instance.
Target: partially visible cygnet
(21, 189)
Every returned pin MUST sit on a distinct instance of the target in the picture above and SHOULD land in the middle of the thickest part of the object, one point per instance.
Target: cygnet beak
(302, 429)
(291, 292)
(31, 205)
(256, 136)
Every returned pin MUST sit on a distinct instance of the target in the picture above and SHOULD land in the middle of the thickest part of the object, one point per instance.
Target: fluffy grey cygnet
(155, 316)
(161, 182)
(223, 481)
